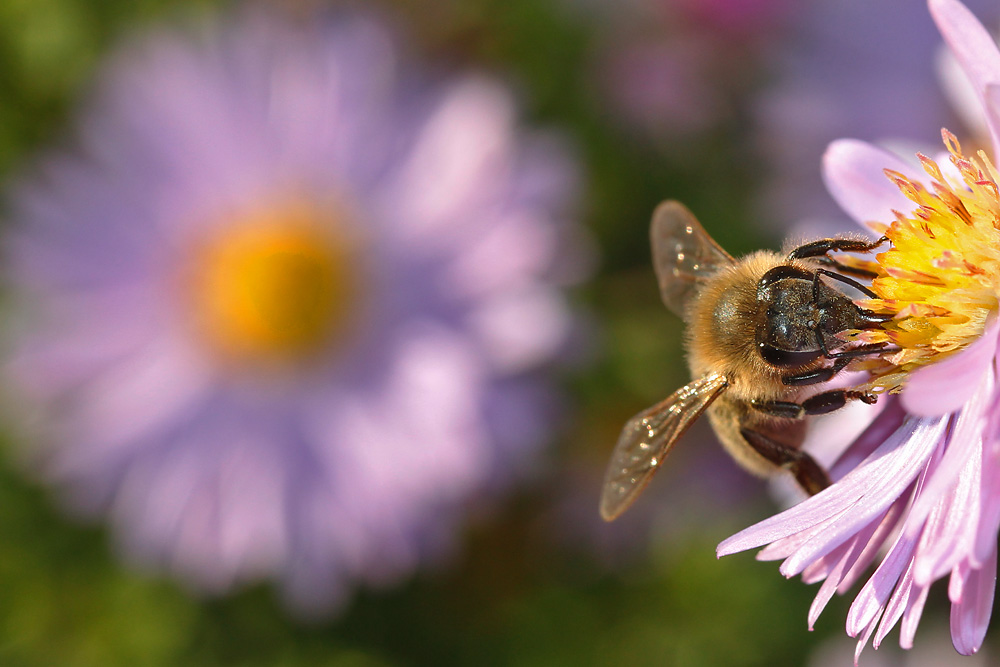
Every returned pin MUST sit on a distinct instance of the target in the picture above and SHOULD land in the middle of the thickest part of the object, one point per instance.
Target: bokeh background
(723, 104)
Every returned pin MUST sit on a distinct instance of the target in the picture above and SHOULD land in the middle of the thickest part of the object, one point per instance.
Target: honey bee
(761, 331)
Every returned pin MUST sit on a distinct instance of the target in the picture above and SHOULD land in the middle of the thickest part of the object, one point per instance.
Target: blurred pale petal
(854, 172)
(973, 47)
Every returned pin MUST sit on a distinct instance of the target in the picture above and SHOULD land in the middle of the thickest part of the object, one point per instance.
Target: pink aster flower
(917, 495)
(284, 310)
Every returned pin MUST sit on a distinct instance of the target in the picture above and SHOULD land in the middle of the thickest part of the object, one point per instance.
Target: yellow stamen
(273, 284)
(940, 279)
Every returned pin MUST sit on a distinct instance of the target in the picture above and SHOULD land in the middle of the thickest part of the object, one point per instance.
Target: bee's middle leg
(809, 474)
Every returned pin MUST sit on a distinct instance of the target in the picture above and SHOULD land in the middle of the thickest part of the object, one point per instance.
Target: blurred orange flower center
(274, 285)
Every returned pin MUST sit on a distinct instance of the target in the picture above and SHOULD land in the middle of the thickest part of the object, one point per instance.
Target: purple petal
(898, 603)
(956, 584)
(887, 421)
(465, 143)
(863, 640)
(911, 617)
(877, 500)
(944, 387)
(829, 586)
(972, 44)
(135, 399)
(854, 174)
(946, 513)
(785, 547)
(874, 547)
(970, 616)
(852, 502)
(500, 324)
(848, 555)
(829, 565)
(871, 600)
(991, 103)
(989, 522)
(951, 528)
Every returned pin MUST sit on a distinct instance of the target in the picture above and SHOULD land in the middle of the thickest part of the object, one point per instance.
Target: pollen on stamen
(951, 142)
(930, 166)
(909, 189)
(940, 278)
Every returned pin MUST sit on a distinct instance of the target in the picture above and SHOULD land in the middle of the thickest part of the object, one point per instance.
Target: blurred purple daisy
(285, 311)
(918, 493)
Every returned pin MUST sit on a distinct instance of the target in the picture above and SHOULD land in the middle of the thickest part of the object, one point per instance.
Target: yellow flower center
(940, 280)
(275, 284)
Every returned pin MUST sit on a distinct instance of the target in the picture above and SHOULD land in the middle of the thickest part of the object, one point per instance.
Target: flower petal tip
(724, 549)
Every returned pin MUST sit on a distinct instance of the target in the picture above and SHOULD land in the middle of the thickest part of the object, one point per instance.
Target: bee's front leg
(818, 250)
(819, 404)
(816, 376)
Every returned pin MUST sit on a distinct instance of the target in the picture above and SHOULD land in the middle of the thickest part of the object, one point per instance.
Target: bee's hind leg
(809, 474)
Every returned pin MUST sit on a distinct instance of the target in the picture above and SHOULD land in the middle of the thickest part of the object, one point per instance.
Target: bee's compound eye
(776, 357)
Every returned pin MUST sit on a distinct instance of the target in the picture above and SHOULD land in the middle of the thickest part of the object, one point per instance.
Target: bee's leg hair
(809, 474)
(820, 404)
(783, 409)
(824, 246)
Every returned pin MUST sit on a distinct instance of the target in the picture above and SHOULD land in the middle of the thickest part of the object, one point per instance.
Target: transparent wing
(648, 437)
(683, 253)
